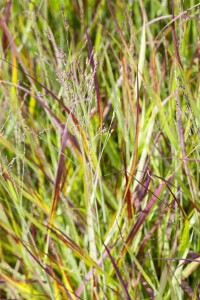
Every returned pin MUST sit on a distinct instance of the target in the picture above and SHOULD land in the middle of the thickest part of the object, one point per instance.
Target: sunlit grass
(99, 140)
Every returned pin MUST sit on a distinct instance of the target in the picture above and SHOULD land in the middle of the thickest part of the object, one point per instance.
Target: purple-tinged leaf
(126, 293)
(143, 215)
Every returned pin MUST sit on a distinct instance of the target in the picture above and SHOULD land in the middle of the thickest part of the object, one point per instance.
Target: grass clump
(99, 139)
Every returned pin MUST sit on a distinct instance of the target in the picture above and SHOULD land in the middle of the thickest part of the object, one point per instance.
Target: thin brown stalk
(175, 39)
(182, 142)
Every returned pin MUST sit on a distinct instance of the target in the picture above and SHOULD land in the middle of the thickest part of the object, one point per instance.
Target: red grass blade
(143, 215)
(135, 154)
(126, 293)
(5, 40)
(59, 173)
(128, 194)
(151, 231)
(175, 39)
(143, 191)
(117, 26)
